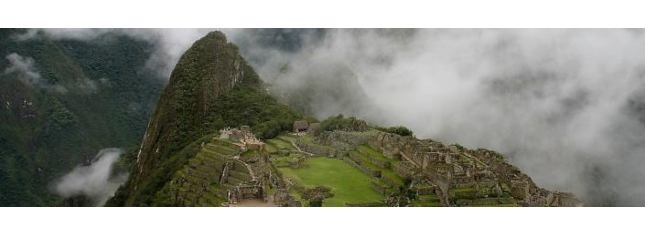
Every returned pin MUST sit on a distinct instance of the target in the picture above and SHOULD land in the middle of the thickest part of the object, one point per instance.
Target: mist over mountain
(569, 101)
(565, 105)
(63, 100)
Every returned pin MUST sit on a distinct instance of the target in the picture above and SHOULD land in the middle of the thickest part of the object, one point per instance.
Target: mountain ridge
(217, 138)
(209, 75)
(63, 100)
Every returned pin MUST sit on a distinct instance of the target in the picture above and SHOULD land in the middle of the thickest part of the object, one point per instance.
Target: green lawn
(348, 183)
(281, 144)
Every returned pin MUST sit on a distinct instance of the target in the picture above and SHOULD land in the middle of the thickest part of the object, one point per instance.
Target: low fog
(94, 181)
(566, 106)
(25, 70)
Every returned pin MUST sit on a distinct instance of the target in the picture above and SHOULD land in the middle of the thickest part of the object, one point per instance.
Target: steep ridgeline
(212, 87)
(218, 139)
(62, 101)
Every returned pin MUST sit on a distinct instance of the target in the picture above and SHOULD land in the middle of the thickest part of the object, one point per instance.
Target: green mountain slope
(89, 95)
(212, 87)
(218, 139)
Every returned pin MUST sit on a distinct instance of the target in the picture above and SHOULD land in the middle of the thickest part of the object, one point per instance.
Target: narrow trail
(300, 150)
(410, 160)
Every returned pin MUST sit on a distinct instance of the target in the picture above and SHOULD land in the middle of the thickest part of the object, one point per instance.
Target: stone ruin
(457, 176)
(303, 127)
(241, 192)
(460, 176)
(244, 137)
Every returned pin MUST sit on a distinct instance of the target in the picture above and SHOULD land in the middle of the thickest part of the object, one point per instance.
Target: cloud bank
(169, 44)
(94, 181)
(566, 106)
(25, 69)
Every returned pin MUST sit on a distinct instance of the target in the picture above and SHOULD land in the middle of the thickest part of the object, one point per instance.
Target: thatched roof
(300, 125)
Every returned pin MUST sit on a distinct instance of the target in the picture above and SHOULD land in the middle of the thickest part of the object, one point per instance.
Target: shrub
(399, 130)
(344, 124)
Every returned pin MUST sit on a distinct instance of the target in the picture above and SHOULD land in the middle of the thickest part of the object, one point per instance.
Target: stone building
(314, 127)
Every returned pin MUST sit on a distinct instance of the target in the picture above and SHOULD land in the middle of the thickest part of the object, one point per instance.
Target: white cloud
(567, 105)
(94, 181)
(27, 73)
(24, 66)
(560, 102)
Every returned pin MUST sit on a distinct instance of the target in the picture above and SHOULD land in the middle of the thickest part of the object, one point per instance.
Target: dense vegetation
(343, 123)
(44, 132)
(211, 88)
(399, 130)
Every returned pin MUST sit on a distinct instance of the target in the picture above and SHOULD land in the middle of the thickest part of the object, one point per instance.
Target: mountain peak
(210, 68)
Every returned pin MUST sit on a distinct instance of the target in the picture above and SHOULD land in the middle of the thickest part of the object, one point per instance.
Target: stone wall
(239, 193)
(283, 198)
(313, 149)
(362, 168)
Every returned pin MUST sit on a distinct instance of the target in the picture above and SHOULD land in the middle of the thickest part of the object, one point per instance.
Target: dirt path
(300, 150)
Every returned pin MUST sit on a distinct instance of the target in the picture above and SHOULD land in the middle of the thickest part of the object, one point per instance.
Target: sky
(565, 105)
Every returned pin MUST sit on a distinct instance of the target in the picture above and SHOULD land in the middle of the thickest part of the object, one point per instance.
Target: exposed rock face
(210, 68)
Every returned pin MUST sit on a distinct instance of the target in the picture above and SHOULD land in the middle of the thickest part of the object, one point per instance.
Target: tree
(343, 123)
(317, 195)
(399, 130)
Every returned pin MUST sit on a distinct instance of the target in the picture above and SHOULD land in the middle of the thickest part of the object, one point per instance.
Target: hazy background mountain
(64, 100)
(566, 105)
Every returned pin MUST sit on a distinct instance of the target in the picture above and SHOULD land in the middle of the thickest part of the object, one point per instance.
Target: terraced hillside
(302, 170)
(207, 177)
(218, 139)
(212, 87)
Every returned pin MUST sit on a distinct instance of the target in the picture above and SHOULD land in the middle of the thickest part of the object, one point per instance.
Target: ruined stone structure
(236, 166)
(241, 192)
(460, 176)
(314, 127)
(244, 138)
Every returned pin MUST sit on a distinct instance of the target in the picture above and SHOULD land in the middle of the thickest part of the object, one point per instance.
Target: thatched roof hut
(300, 126)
